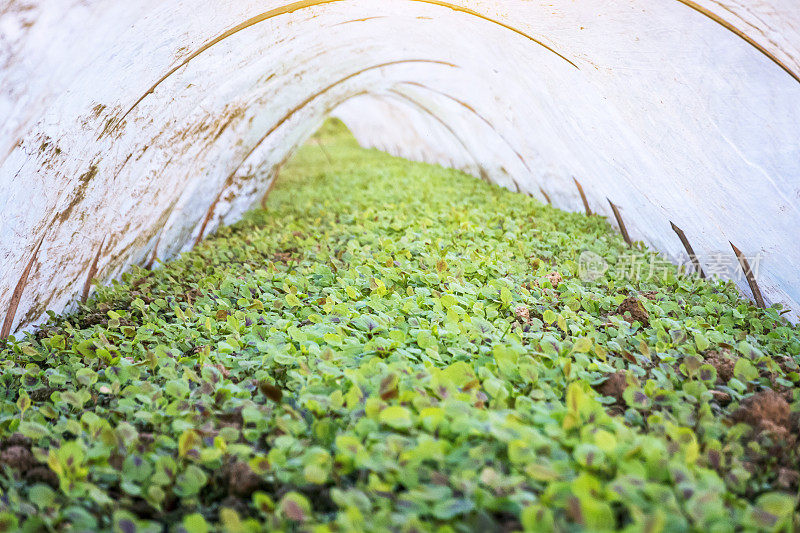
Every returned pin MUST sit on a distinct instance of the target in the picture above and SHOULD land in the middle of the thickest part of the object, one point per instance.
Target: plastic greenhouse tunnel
(399, 266)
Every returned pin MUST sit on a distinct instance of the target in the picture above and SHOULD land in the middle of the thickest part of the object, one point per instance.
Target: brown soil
(523, 314)
(17, 439)
(722, 363)
(766, 410)
(722, 398)
(18, 458)
(632, 310)
(788, 479)
(776, 428)
(555, 278)
(92, 319)
(242, 481)
(614, 386)
(190, 296)
(17, 455)
(285, 257)
(41, 474)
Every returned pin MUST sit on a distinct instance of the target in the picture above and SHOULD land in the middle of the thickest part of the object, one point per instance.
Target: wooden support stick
(689, 249)
(87, 285)
(751, 278)
(546, 196)
(583, 197)
(16, 296)
(621, 223)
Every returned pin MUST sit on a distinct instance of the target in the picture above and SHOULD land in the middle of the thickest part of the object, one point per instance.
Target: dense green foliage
(396, 346)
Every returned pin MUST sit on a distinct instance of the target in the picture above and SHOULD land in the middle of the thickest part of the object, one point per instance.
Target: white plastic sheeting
(128, 130)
